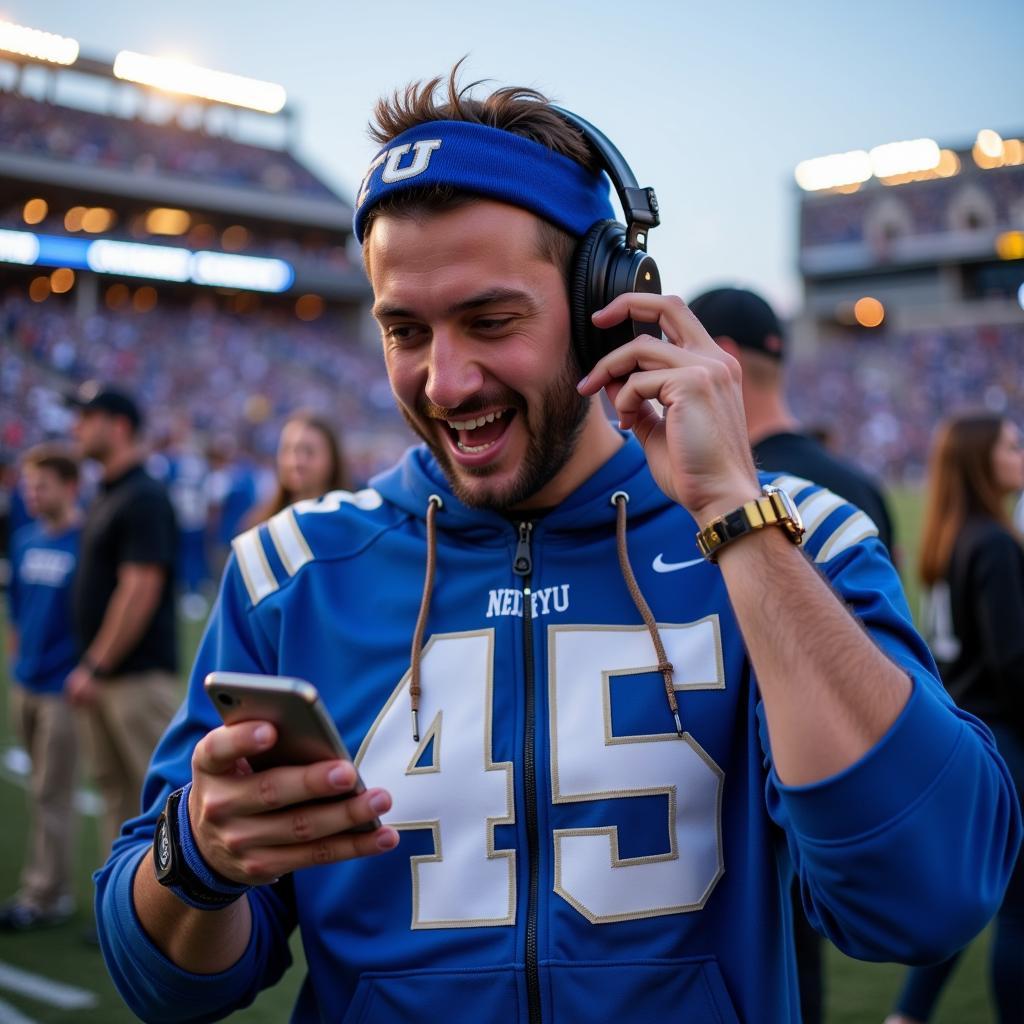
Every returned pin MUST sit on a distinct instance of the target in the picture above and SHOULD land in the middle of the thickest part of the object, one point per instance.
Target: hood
(417, 476)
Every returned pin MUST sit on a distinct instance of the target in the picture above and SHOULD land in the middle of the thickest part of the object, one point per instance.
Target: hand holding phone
(302, 805)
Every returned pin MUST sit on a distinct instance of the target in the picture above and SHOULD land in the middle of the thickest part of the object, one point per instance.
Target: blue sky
(711, 104)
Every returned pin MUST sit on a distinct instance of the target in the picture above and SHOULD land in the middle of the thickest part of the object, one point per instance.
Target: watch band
(773, 508)
(179, 864)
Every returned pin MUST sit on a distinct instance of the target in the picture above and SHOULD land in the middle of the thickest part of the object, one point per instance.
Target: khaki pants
(120, 731)
(46, 726)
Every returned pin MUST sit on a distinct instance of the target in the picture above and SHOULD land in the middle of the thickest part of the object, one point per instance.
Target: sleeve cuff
(886, 781)
(124, 941)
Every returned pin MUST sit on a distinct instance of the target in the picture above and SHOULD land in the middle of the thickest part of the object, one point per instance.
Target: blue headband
(488, 162)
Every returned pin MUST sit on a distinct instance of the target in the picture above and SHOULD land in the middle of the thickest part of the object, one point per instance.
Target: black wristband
(179, 865)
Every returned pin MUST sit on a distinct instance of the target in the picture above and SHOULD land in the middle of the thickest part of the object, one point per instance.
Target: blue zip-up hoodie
(566, 855)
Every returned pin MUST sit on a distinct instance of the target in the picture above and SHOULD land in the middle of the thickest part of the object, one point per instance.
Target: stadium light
(1010, 245)
(990, 143)
(19, 247)
(988, 150)
(139, 259)
(253, 273)
(135, 259)
(37, 45)
(868, 312)
(833, 171)
(62, 280)
(1020, 296)
(165, 220)
(1013, 152)
(34, 211)
(189, 80)
(895, 158)
(949, 164)
(97, 219)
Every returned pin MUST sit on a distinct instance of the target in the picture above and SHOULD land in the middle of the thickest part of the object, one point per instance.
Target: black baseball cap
(741, 315)
(94, 395)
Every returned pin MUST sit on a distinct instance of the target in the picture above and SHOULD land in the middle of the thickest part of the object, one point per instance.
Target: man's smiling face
(475, 322)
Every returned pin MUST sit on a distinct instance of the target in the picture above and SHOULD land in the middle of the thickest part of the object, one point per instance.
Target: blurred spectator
(179, 464)
(232, 490)
(972, 569)
(13, 514)
(125, 682)
(309, 464)
(43, 651)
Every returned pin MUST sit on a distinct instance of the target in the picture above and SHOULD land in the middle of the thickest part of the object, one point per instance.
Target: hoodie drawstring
(433, 504)
(620, 499)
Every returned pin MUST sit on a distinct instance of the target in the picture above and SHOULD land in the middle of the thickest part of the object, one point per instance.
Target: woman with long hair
(310, 463)
(972, 572)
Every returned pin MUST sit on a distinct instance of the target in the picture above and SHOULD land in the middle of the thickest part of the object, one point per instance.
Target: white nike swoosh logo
(659, 565)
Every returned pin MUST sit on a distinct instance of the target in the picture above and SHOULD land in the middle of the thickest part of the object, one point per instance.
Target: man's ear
(727, 344)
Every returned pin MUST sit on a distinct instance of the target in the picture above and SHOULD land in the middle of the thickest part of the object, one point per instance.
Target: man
(124, 683)
(748, 329)
(590, 781)
(743, 324)
(43, 652)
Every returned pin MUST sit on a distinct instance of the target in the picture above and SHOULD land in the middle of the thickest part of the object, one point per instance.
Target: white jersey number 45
(452, 785)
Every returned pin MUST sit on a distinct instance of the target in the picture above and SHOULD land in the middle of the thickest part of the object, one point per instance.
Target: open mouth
(476, 434)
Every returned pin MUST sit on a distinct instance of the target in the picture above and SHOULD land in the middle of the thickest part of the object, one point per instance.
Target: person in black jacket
(972, 571)
(746, 326)
(125, 684)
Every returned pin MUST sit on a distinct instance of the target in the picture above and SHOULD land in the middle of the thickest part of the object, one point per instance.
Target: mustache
(477, 404)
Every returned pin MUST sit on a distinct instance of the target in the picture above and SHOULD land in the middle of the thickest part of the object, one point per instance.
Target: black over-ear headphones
(611, 258)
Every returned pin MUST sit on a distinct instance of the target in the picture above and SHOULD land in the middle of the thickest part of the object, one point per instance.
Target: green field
(857, 993)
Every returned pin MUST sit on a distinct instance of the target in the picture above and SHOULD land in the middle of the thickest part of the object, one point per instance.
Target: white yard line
(11, 1015)
(45, 990)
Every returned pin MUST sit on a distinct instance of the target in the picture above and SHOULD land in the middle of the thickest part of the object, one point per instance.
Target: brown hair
(961, 483)
(338, 479)
(56, 457)
(514, 109)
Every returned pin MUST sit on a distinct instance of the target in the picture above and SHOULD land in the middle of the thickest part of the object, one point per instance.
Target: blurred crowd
(878, 397)
(224, 373)
(216, 389)
(88, 139)
(972, 199)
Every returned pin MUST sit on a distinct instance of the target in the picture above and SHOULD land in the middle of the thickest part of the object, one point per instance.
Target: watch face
(162, 847)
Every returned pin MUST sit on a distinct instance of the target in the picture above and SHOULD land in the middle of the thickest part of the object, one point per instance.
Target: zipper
(522, 565)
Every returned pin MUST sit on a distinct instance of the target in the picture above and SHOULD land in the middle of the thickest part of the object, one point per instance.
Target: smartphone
(305, 731)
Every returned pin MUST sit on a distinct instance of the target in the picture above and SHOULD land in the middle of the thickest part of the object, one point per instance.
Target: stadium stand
(882, 395)
(913, 303)
(236, 373)
(33, 126)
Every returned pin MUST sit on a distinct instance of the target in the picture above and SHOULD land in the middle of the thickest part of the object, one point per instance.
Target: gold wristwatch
(773, 508)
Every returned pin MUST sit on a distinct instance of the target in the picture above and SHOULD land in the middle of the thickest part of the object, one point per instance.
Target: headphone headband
(640, 205)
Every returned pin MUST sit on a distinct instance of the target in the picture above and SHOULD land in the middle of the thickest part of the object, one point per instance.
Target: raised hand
(697, 448)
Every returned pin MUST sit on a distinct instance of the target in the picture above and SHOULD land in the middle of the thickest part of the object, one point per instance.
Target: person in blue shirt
(44, 556)
(599, 748)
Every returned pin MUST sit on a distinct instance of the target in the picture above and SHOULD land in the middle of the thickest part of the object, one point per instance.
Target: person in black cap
(747, 328)
(125, 683)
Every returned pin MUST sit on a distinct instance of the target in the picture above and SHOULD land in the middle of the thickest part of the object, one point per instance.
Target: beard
(553, 427)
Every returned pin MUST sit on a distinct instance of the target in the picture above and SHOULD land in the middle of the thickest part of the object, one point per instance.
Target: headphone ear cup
(586, 289)
(604, 267)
